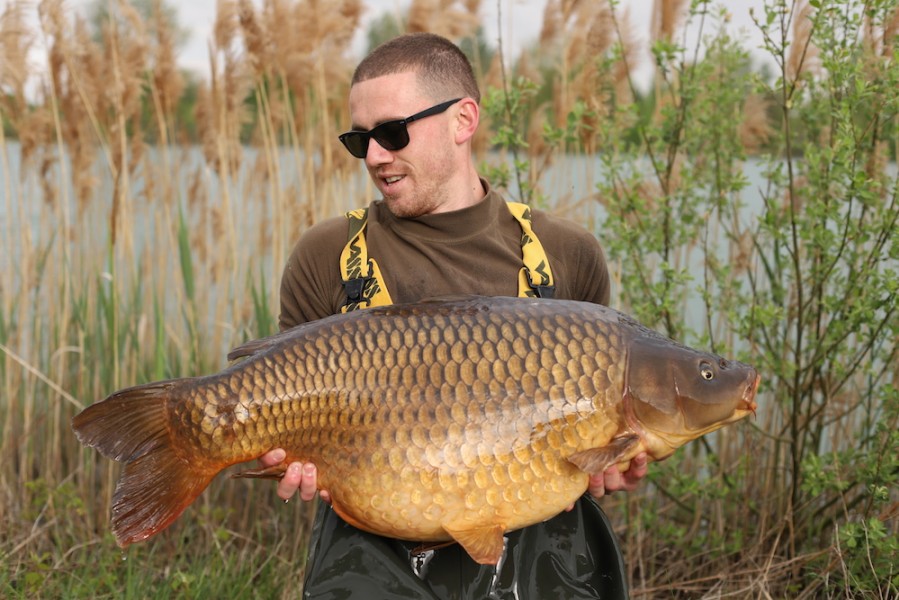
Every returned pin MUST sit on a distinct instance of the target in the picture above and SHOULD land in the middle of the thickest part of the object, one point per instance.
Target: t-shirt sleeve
(311, 287)
(577, 256)
(592, 280)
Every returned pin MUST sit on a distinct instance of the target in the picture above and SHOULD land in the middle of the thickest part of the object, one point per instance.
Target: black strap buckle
(544, 291)
(354, 288)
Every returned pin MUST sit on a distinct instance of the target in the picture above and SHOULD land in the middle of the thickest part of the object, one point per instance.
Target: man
(440, 230)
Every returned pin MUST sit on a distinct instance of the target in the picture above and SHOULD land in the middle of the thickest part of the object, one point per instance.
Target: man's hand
(298, 476)
(613, 480)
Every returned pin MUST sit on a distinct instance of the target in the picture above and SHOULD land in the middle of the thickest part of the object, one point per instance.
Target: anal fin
(596, 460)
(484, 544)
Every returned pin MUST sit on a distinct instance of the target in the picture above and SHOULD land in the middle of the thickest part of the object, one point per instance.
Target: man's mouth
(392, 179)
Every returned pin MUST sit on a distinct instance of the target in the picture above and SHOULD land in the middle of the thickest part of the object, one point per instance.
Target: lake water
(254, 210)
(569, 185)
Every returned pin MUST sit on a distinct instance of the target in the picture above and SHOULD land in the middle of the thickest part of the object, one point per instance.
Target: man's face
(414, 180)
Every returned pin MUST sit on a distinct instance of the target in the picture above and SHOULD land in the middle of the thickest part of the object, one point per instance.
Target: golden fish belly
(414, 500)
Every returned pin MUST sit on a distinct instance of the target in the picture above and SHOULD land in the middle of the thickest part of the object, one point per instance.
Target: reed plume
(166, 81)
(74, 64)
(629, 58)
(126, 49)
(16, 41)
(220, 110)
(667, 18)
(454, 19)
(258, 43)
(593, 84)
(225, 25)
(32, 125)
(492, 78)
(552, 23)
(802, 52)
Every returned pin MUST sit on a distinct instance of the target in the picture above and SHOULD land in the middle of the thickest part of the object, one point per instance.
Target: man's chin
(404, 210)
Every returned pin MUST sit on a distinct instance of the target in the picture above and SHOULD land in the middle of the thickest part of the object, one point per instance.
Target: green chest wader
(572, 556)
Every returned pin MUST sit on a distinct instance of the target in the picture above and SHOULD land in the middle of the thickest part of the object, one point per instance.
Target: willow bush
(795, 271)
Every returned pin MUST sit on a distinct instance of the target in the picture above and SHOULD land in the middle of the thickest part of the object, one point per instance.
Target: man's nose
(377, 154)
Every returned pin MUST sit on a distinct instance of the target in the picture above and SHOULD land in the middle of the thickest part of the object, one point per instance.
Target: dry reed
(667, 19)
(454, 19)
(802, 53)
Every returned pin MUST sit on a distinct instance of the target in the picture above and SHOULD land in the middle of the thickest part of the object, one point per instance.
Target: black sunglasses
(392, 135)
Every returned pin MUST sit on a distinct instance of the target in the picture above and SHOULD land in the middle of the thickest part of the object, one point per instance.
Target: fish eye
(705, 370)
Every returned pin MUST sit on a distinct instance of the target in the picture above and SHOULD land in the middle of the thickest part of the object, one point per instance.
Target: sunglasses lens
(356, 142)
(392, 135)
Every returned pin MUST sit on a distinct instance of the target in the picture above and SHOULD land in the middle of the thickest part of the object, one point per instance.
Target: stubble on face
(425, 184)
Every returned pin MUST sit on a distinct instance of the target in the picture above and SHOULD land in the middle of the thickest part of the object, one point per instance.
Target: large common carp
(457, 419)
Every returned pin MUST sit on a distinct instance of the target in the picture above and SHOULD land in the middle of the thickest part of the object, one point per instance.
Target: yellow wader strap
(535, 279)
(363, 290)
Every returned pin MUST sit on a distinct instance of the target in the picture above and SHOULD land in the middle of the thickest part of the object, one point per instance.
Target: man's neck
(474, 190)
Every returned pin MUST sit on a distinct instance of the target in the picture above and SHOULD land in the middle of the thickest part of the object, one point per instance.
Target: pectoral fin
(484, 544)
(596, 460)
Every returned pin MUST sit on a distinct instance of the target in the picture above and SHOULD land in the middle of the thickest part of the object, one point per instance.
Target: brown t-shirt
(476, 250)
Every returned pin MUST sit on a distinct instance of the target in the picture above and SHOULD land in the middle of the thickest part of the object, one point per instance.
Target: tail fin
(157, 482)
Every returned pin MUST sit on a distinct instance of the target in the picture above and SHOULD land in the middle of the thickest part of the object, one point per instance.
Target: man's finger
(637, 471)
(597, 487)
(308, 487)
(275, 457)
(289, 484)
(612, 479)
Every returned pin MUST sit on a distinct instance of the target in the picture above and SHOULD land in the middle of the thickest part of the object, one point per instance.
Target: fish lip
(748, 403)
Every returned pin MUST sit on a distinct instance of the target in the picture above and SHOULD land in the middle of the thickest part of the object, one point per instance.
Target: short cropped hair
(443, 69)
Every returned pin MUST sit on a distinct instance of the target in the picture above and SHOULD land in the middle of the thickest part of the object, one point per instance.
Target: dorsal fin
(255, 346)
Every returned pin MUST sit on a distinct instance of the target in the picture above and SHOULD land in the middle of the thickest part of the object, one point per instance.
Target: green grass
(214, 551)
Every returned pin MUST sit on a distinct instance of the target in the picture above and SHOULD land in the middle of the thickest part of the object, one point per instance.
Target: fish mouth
(747, 402)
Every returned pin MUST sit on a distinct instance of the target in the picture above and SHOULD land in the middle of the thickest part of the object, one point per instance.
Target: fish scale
(437, 421)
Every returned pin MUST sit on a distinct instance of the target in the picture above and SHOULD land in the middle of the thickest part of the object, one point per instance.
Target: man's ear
(467, 120)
